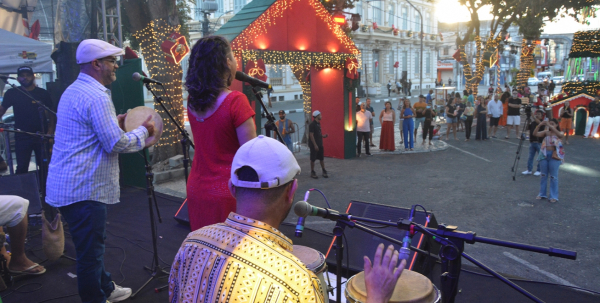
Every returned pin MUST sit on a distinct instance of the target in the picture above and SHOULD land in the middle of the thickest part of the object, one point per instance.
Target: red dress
(209, 199)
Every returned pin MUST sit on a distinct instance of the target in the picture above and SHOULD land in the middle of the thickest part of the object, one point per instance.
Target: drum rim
(438, 294)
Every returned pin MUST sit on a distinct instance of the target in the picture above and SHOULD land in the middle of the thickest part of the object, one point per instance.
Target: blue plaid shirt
(85, 163)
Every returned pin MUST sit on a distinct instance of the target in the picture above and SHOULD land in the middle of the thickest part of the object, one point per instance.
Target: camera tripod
(521, 140)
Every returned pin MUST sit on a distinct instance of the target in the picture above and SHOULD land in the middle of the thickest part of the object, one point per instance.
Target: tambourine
(138, 115)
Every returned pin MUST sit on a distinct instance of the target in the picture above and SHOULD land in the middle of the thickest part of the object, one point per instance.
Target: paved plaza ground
(469, 184)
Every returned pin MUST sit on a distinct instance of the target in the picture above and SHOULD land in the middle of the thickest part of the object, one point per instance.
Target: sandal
(325, 174)
(506, 137)
(552, 200)
(540, 198)
(28, 271)
(313, 175)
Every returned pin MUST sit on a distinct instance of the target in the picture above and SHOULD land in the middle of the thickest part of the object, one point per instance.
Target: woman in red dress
(387, 119)
(221, 121)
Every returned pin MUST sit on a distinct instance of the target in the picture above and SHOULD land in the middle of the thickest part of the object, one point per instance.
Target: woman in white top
(387, 118)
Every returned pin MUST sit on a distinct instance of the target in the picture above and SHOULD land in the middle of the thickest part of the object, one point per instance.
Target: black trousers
(468, 124)
(362, 136)
(427, 128)
(23, 148)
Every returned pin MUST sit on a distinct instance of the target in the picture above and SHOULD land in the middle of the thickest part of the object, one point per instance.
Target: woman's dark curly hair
(208, 73)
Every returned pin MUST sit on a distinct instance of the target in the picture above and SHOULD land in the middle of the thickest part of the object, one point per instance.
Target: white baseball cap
(92, 49)
(273, 162)
(316, 113)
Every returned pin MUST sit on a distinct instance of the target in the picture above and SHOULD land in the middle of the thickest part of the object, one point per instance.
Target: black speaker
(362, 244)
(24, 186)
(181, 216)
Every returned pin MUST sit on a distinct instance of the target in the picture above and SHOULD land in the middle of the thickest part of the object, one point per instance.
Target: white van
(542, 75)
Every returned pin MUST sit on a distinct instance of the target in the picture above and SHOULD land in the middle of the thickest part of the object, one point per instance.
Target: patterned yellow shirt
(241, 260)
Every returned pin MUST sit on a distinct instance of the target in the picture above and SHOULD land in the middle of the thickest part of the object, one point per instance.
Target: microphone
(300, 224)
(303, 209)
(252, 81)
(405, 250)
(138, 77)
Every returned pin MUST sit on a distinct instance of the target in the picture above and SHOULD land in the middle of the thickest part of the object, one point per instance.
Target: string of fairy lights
(168, 73)
(585, 44)
(316, 59)
(300, 73)
(526, 63)
(270, 18)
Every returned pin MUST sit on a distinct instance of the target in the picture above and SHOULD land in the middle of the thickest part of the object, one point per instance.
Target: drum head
(313, 259)
(138, 115)
(412, 287)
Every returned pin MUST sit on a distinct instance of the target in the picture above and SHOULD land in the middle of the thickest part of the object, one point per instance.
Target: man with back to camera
(234, 260)
(315, 144)
(83, 177)
(593, 119)
(419, 111)
(514, 114)
(27, 117)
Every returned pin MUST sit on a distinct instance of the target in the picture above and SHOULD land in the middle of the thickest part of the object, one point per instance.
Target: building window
(359, 9)
(428, 63)
(392, 60)
(446, 51)
(404, 18)
(417, 22)
(220, 10)
(238, 5)
(417, 61)
(376, 66)
(427, 28)
(404, 61)
(275, 75)
(390, 20)
(377, 13)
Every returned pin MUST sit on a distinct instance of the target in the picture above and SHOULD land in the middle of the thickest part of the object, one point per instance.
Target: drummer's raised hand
(149, 125)
(121, 120)
(381, 276)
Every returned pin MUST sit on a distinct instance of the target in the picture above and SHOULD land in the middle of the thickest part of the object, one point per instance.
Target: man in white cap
(315, 144)
(247, 257)
(83, 176)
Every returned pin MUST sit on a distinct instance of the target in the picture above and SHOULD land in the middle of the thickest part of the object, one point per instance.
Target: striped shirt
(85, 163)
(241, 260)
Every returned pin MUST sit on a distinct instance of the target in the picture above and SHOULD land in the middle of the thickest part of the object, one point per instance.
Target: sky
(449, 11)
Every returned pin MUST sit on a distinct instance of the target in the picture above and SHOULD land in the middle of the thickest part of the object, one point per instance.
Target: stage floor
(128, 250)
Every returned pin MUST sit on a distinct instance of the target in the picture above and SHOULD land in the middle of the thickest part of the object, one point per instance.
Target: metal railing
(276, 81)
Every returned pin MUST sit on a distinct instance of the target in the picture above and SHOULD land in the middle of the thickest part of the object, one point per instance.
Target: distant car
(558, 80)
(533, 81)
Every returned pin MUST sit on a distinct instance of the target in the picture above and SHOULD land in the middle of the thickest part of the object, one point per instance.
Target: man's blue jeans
(534, 148)
(87, 224)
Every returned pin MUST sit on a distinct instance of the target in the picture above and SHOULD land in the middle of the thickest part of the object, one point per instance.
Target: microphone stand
(156, 271)
(452, 242)
(8, 159)
(185, 137)
(269, 116)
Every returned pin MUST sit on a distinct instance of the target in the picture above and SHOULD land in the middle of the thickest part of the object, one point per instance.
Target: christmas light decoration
(270, 17)
(527, 63)
(154, 33)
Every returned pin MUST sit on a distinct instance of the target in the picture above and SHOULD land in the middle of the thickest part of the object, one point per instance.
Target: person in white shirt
(495, 111)
(363, 129)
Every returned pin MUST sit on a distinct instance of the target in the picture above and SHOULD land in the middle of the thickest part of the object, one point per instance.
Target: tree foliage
(147, 24)
(529, 15)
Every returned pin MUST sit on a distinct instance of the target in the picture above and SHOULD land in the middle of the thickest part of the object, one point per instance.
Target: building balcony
(276, 81)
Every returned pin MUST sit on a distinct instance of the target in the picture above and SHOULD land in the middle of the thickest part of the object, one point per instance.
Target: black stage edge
(125, 260)
(473, 288)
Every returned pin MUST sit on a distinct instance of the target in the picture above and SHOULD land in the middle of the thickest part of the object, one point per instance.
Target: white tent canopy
(18, 51)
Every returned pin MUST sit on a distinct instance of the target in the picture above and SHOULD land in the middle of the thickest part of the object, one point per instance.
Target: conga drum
(412, 287)
(138, 115)
(315, 262)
